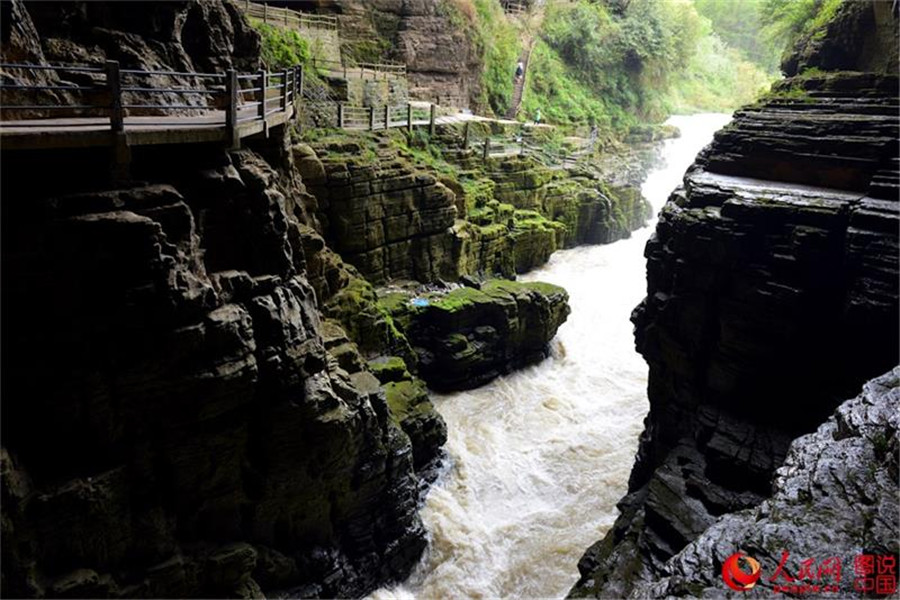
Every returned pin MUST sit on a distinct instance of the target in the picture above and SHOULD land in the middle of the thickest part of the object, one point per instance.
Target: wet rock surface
(388, 219)
(835, 496)
(179, 36)
(772, 296)
(177, 421)
(469, 336)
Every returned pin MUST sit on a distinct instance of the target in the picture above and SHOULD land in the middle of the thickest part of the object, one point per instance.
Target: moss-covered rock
(412, 410)
(466, 337)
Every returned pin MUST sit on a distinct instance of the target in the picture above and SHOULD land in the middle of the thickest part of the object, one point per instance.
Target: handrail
(377, 70)
(231, 101)
(286, 16)
(117, 101)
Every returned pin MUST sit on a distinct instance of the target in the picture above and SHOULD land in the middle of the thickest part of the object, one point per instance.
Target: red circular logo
(736, 577)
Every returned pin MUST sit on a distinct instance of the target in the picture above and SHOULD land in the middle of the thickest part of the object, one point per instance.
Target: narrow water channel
(540, 457)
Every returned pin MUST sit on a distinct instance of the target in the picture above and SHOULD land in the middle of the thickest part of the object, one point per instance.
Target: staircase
(513, 110)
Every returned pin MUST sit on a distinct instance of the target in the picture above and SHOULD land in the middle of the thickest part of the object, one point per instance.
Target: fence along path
(115, 111)
(286, 17)
(291, 19)
(117, 107)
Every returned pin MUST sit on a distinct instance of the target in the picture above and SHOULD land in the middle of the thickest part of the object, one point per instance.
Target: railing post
(431, 120)
(409, 123)
(285, 18)
(284, 90)
(114, 84)
(265, 13)
(340, 115)
(371, 118)
(487, 149)
(231, 108)
(466, 136)
(262, 94)
(387, 117)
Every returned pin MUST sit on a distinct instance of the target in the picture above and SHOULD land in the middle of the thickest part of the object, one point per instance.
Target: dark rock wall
(861, 37)
(835, 496)
(772, 295)
(175, 423)
(206, 36)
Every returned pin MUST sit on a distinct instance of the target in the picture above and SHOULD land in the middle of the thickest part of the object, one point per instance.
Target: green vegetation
(614, 64)
(281, 48)
(617, 64)
(610, 65)
(496, 40)
(784, 22)
(717, 78)
(739, 26)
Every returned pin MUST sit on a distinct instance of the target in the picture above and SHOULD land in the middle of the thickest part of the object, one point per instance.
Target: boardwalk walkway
(120, 111)
(128, 107)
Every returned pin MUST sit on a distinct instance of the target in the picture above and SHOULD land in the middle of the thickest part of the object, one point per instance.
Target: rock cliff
(397, 211)
(772, 294)
(835, 497)
(178, 421)
(441, 58)
(179, 417)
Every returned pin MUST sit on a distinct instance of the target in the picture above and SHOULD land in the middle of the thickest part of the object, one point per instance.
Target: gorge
(289, 311)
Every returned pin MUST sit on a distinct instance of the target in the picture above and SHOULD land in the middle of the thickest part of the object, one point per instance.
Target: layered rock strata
(834, 499)
(177, 422)
(772, 294)
(441, 59)
(395, 216)
(469, 336)
(389, 220)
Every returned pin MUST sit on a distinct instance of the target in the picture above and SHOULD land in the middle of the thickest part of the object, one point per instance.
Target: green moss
(281, 48)
(407, 399)
(507, 287)
(458, 299)
(391, 368)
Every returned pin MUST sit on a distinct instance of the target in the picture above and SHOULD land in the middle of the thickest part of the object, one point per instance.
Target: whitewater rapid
(540, 457)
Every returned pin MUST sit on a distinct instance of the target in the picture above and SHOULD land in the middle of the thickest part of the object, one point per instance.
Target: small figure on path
(520, 70)
(537, 117)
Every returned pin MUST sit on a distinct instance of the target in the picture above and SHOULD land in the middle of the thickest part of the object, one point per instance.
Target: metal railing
(285, 17)
(227, 99)
(514, 7)
(361, 70)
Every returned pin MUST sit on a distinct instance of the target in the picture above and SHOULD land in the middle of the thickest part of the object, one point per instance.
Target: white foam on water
(540, 457)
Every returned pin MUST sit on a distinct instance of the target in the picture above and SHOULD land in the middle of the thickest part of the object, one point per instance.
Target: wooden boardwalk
(237, 106)
(233, 106)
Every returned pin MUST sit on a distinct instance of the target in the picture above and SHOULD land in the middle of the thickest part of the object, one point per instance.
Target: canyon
(225, 373)
(772, 298)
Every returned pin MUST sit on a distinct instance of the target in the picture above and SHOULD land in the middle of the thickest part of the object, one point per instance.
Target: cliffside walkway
(308, 25)
(122, 107)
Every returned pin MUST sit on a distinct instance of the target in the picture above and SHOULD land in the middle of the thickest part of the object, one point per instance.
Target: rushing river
(540, 457)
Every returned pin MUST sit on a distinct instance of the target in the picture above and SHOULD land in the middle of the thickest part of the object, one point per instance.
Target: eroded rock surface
(177, 421)
(772, 294)
(469, 336)
(834, 496)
